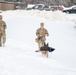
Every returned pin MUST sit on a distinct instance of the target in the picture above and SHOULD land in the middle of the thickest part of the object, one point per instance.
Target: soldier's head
(41, 25)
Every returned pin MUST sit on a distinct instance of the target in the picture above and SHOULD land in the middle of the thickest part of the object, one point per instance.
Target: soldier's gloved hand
(40, 35)
(46, 35)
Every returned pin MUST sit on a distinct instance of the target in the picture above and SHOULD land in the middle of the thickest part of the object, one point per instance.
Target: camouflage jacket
(2, 27)
(41, 32)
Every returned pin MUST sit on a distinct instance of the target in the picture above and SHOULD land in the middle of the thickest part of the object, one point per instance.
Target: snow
(18, 57)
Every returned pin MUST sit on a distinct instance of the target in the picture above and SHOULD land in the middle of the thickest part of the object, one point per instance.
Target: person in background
(2, 32)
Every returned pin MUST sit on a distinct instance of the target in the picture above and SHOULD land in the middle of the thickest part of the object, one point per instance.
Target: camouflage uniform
(41, 33)
(2, 32)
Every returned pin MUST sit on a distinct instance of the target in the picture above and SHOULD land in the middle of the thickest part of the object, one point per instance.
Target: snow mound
(50, 15)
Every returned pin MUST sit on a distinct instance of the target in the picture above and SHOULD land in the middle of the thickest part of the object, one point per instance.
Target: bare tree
(47, 2)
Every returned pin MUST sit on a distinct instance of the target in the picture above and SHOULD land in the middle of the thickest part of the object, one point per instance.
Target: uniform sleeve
(46, 32)
(37, 32)
(4, 25)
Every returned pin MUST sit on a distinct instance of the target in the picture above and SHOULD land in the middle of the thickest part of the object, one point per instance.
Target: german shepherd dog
(43, 47)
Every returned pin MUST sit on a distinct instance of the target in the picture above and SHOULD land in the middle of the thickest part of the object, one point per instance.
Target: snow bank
(50, 15)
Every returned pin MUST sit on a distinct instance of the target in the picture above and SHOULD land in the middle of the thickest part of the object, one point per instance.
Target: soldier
(41, 34)
(2, 31)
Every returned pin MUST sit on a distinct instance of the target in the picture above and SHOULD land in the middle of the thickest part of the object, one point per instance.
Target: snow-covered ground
(18, 57)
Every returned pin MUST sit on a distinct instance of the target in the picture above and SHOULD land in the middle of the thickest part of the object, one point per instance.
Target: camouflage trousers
(40, 41)
(2, 39)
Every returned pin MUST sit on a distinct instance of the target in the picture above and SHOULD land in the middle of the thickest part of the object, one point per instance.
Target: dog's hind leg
(42, 52)
(46, 53)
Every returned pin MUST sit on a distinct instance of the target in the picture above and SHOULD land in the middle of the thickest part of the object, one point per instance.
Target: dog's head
(47, 48)
(46, 45)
